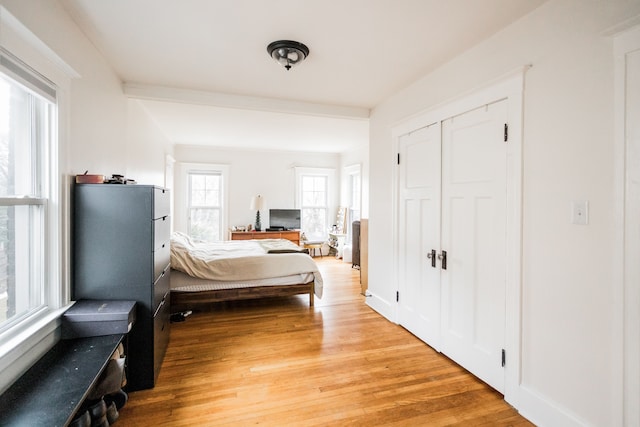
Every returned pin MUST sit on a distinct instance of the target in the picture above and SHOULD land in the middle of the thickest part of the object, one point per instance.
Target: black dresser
(121, 252)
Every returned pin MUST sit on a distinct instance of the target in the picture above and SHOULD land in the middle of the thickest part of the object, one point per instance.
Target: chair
(312, 246)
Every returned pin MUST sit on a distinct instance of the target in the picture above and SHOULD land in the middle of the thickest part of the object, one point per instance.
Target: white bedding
(182, 282)
(241, 260)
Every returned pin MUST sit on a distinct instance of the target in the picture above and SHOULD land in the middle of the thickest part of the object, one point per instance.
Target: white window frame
(329, 173)
(169, 182)
(27, 340)
(182, 193)
(349, 172)
(218, 207)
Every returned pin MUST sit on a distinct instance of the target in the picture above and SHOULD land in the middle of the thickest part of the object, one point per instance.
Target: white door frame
(511, 87)
(628, 226)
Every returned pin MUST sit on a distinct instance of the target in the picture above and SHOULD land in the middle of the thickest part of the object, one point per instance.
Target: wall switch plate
(580, 212)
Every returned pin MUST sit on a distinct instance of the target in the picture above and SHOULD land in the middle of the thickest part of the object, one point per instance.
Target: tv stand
(292, 235)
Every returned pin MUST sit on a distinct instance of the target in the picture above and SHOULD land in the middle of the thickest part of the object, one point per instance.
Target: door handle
(432, 256)
(443, 257)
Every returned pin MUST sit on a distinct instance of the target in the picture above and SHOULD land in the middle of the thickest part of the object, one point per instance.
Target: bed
(206, 272)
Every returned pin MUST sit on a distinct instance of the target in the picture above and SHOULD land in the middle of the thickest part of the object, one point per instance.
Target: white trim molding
(627, 145)
(225, 100)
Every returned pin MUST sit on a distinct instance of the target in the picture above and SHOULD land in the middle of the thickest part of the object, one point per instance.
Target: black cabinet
(355, 244)
(121, 252)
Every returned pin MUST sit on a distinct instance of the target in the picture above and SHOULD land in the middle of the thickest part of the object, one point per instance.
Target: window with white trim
(34, 232)
(354, 194)
(314, 207)
(205, 205)
(204, 189)
(313, 199)
(28, 112)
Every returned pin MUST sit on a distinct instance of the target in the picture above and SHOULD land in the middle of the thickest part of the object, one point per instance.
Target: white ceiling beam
(186, 96)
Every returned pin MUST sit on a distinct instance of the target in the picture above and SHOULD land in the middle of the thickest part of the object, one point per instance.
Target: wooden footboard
(189, 298)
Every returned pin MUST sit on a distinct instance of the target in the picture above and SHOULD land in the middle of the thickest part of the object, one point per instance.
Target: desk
(292, 235)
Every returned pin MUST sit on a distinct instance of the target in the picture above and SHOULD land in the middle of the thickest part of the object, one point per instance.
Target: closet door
(419, 233)
(474, 170)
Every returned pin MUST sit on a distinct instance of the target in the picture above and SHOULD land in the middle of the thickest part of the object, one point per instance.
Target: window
(34, 264)
(313, 198)
(203, 187)
(314, 205)
(27, 138)
(205, 204)
(354, 194)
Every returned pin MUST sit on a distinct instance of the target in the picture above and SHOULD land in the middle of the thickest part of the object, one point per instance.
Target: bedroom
(569, 375)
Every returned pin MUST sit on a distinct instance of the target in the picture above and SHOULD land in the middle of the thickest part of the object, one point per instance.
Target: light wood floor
(279, 362)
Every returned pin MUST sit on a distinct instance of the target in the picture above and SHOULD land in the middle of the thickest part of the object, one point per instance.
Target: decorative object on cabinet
(85, 178)
(257, 203)
(121, 239)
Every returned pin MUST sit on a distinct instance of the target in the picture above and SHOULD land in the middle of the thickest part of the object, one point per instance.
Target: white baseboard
(544, 412)
(382, 306)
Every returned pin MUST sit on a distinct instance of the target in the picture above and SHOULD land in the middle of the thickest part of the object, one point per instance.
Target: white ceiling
(202, 71)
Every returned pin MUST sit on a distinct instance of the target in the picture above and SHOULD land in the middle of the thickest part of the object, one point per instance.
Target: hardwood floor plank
(279, 362)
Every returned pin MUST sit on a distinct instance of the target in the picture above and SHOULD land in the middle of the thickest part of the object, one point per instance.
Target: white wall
(108, 133)
(358, 157)
(268, 173)
(570, 365)
(105, 134)
(146, 147)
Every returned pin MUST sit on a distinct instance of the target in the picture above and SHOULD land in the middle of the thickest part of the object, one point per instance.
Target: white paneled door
(419, 236)
(474, 170)
(452, 238)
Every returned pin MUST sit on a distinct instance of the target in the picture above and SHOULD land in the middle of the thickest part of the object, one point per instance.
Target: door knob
(432, 256)
(443, 257)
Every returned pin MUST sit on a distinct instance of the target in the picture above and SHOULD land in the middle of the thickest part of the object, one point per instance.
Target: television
(284, 219)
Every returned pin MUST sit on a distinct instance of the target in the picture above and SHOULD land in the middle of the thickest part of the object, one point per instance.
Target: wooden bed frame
(187, 298)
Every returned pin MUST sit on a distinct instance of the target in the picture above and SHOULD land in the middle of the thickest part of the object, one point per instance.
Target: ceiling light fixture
(287, 52)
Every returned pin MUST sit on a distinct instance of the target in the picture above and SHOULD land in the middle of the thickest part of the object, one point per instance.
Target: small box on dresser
(120, 251)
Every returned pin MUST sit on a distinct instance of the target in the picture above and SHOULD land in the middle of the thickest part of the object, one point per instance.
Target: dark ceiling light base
(287, 52)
